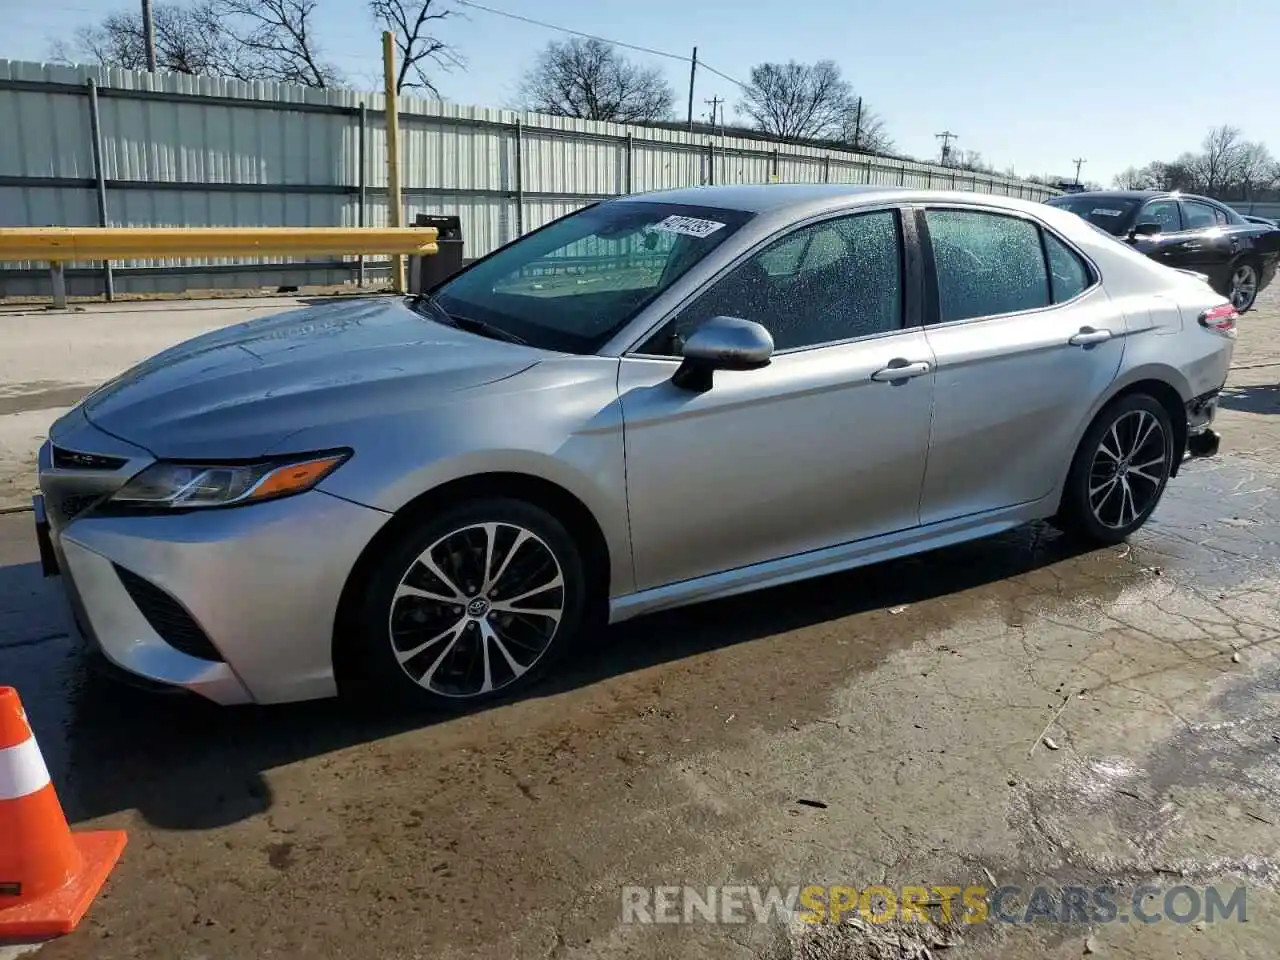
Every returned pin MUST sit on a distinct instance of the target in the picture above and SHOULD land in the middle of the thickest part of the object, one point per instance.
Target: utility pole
(1078, 162)
(693, 72)
(716, 104)
(946, 136)
(857, 126)
(395, 212)
(149, 35)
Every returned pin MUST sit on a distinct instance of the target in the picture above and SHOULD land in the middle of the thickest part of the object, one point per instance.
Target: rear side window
(987, 264)
(1197, 215)
(1069, 275)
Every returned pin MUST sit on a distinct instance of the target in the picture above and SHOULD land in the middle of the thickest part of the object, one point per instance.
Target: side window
(1163, 212)
(987, 264)
(834, 280)
(1197, 215)
(1220, 216)
(1069, 276)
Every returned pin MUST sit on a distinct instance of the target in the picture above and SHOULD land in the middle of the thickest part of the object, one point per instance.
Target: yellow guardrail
(66, 244)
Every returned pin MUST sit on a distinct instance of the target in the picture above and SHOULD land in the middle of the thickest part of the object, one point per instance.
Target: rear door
(1209, 244)
(1025, 339)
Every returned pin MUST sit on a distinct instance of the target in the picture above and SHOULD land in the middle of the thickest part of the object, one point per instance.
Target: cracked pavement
(916, 700)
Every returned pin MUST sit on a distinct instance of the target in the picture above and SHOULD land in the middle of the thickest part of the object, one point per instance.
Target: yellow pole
(394, 209)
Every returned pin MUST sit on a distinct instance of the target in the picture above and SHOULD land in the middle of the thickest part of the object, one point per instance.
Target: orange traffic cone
(48, 875)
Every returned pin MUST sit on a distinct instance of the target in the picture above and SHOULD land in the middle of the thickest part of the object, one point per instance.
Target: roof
(766, 197)
(1118, 194)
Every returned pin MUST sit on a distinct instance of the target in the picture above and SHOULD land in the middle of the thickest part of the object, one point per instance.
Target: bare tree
(276, 42)
(1219, 162)
(189, 39)
(970, 160)
(413, 23)
(592, 80)
(1131, 178)
(863, 129)
(1257, 170)
(798, 100)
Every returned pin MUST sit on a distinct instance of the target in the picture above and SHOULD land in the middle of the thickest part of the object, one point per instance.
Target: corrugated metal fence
(176, 150)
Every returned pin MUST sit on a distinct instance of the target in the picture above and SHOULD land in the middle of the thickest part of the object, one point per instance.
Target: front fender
(560, 422)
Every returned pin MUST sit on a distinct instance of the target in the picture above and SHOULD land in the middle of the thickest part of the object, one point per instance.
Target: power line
(591, 36)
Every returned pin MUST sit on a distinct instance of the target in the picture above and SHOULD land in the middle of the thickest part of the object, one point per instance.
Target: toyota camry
(653, 401)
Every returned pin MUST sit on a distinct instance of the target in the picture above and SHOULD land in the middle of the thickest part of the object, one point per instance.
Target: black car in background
(1188, 232)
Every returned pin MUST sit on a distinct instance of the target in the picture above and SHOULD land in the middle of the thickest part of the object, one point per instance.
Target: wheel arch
(557, 500)
(1159, 383)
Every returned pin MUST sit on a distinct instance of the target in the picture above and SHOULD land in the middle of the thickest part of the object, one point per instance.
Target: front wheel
(1119, 472)
(472, 605)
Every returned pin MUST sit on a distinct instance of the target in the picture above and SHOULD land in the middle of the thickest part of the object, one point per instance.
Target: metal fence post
(519, 178)
(363, 180)
(631, 162)
(58, 278)
(95, 130)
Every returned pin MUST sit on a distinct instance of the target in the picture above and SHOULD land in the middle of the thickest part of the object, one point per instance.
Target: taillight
(1220, 319)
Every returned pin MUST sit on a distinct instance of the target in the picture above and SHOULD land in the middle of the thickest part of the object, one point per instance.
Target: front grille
(167, 617)
(73, 460)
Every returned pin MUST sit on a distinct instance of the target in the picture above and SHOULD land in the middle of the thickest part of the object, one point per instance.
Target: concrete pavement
(1007, 712)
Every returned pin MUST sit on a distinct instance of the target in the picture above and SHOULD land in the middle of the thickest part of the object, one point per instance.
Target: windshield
(1111, 214)
(573, 284)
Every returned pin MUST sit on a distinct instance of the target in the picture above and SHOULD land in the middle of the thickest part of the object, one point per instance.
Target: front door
(818, 448)
(1025, 340)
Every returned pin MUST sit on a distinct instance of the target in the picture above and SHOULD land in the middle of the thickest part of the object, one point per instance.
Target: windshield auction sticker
(1104, 212)
(689, 226)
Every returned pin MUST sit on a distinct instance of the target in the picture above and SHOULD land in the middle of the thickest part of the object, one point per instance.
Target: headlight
(182, 486)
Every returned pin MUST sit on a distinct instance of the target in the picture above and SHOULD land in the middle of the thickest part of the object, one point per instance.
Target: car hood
(241, 391)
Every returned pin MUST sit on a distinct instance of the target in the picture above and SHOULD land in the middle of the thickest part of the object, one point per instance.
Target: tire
(418, 639)
(1094, 504)
(1242, 285)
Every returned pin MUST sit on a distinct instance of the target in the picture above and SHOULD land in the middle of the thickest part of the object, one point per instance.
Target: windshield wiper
(485, 329)
(481, 327)
(438, 312)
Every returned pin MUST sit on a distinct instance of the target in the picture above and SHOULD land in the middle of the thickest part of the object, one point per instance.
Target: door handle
(1088, 336)
(899, 369)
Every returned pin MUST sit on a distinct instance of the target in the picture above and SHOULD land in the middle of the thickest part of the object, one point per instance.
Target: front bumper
(261, 582)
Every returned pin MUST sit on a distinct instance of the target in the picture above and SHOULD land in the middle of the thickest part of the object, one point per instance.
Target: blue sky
(1027, 84)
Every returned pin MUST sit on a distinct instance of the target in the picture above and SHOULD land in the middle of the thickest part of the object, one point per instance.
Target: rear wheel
(1242, 287)
(1119, 472)
(472, 605)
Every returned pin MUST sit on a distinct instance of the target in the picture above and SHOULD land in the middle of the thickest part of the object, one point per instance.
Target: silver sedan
(653, 401)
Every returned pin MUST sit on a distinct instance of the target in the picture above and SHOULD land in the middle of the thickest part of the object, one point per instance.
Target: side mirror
(722, 343)
(1146, 229)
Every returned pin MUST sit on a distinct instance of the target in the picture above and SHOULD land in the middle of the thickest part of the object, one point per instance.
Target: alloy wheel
(1129, 470)
(1244, 287)
(477, 609)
